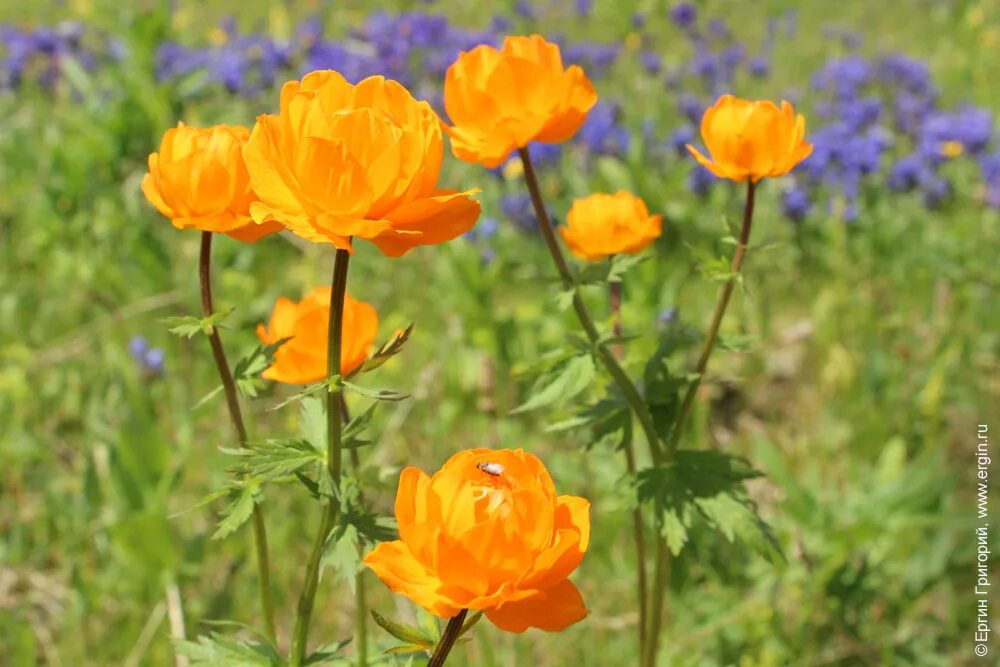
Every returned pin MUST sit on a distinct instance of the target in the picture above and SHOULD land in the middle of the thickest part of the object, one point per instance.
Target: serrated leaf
(205, 500)
(238, 511)
(207, 397)
(564, 298)
(406, 633)
(312, 421)
(387, 350)
(217, 650)
(564, 381)
(278, 458)
(341, 554)
(248, 369)
(704, 486)
(188, 326)
(390, 395)
(712, 267)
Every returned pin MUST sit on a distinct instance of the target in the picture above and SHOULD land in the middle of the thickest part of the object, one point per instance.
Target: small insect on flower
(489, 468)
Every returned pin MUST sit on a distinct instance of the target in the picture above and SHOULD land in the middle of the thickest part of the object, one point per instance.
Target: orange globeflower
(602, 225)
(498, 101)
(343, 160)
(199, 181)
(302, 359)
(751, 139)
(487, 532)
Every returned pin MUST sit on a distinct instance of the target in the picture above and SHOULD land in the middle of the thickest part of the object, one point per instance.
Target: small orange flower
(602, 225)
(198, 179)
(343, 160)
(751, 139)
(302, 359)
(487, 532)
(499, 101)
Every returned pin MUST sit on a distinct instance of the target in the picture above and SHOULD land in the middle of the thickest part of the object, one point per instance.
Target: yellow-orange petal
(441, 217)
(393, 563)
(552, 610)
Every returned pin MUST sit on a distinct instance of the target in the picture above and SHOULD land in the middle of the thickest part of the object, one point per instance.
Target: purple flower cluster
(879, 110)
(39, 54)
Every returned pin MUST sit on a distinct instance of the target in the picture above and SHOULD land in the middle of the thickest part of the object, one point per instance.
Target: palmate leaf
(239, 510)
(247, 371)
(217, 650)
(612, 271)
(560, 383)
(390, 395)
(274, 459)
(327, 652)
(607, 419)
(704, 486)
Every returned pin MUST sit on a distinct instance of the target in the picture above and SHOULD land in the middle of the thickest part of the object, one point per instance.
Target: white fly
(489, 468)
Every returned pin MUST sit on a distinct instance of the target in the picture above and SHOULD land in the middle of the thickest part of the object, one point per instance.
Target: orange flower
(199, 181)
(302, 359)
(487, 532)
(601, 225)
(343, 160)
(498, 101)
(751, 139)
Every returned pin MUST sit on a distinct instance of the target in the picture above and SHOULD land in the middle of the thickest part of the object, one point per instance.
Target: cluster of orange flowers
(340, 162)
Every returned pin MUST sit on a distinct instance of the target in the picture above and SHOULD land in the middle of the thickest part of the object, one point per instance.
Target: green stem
(622, 379)
(720, 310)
(638, 527)
(300, 635)
(451, 633)
(236, 417)
(660, 575)
(360, 596)
(663, 555)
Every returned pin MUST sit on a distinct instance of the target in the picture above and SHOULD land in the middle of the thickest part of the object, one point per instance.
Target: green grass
(873, 358)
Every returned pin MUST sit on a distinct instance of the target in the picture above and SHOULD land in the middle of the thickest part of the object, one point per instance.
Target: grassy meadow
(858, 359)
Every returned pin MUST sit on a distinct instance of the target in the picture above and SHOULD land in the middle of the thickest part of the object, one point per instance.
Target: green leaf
(188, 326)
(248, 369)
(351, 435)
(564, 381)
(326, 652)
(605, 418)
(216, 650)
(207, 397)
(706, 487)
(469, 622)
(238, 511)
(712, 267)
(274, 459)
(735, 342)
(387, 350)
(406, 633)
(308, 391)
(312, 421)
(341, 554)
(611, 271)
(390, 395)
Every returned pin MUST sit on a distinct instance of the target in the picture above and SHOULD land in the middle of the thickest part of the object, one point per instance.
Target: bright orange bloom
(343, 160)
(488, 532)
(602, 225)
(498, 101)
(751, 139)
(302, 360)
(199, 181)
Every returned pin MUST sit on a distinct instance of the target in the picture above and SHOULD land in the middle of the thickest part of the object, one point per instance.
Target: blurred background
(868, 331)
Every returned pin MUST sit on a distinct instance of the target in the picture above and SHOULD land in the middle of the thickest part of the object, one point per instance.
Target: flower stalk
(307, 598)
(625, 384)
(451, 633)
(236, 417)
(720, 310)
(663, 556)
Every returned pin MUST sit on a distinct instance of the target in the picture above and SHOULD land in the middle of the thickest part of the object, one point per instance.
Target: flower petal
(551, 610)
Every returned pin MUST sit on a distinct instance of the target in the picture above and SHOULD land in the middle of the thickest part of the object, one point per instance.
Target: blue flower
(795, 204)
(906, 173)
(683, 14)
(680, 138)
(602, 132)
(759, 66)
(700, 180)
(651, 61)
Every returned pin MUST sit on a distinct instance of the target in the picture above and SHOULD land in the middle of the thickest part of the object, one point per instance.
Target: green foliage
(188, 326)
(239, 510)
(217, 650)
(564, 380)
(705, 486)
(387, 350)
